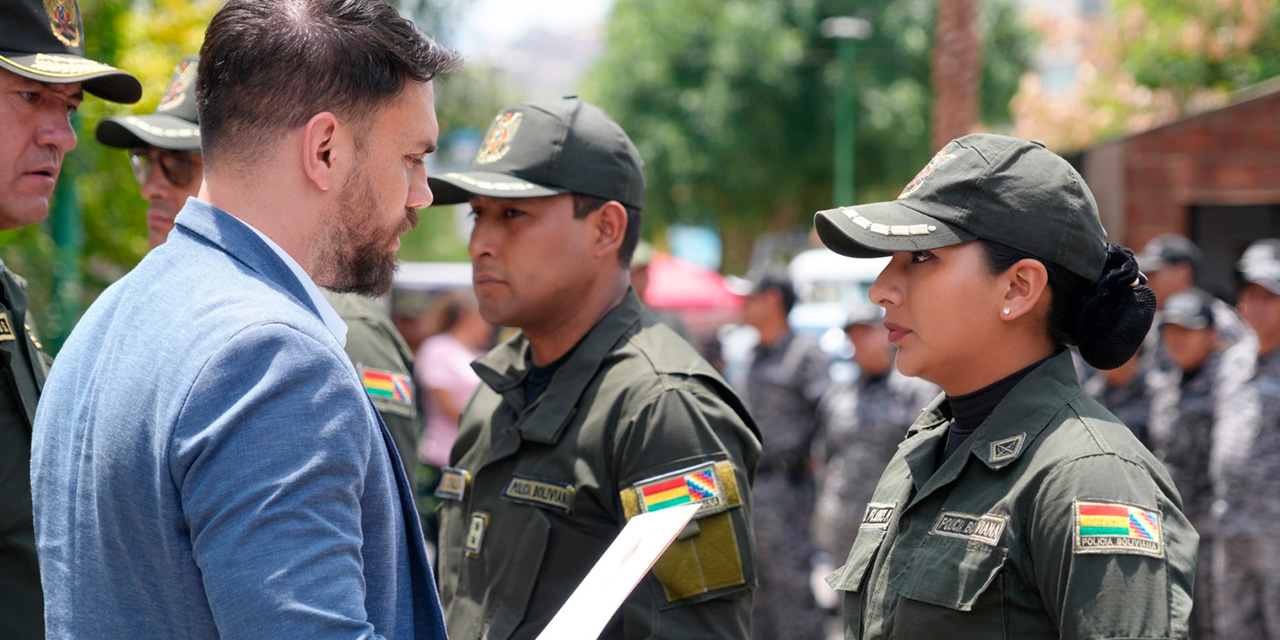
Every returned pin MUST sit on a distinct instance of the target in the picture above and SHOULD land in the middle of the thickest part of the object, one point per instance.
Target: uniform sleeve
(692, 440)
(1114, 556)
(375, 345)
(270, 455)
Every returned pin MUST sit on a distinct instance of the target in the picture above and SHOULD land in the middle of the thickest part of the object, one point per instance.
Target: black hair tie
(1115, 317)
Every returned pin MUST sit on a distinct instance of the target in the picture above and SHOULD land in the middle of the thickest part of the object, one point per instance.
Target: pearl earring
(1007, 311)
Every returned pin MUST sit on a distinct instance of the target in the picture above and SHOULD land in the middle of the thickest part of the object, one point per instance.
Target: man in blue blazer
(206, 463)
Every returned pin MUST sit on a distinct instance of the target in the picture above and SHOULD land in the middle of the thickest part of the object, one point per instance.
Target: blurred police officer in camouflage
(1182, 421)
(1172, 264)
(863, 424)
(1126, 392)
(43, 72)
(1246, 462)
(783, 381)
(164, 151)
(594, 413)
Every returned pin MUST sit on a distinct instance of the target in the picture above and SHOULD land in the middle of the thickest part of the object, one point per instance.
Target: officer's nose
(885, 291)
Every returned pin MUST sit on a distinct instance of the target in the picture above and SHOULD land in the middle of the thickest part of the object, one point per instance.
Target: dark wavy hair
(1107, 319)
(268, 67)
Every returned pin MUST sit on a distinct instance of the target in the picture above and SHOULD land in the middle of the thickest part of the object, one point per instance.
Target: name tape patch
(6, 327)
(540, 493)
(453, 483)
(878, 515)
(986, 529)
(1116, 527)
(475, 533)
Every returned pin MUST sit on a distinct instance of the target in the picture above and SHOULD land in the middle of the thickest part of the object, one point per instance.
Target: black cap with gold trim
(44, 40)
(997, 188)
(548, 148)
(174, 126)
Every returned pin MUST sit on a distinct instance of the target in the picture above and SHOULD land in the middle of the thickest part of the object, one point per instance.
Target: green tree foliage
(731, 103)
(1190, 45)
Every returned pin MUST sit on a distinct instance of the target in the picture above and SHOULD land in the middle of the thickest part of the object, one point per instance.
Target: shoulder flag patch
(1115, 527)
(712, 485)
(387, 385)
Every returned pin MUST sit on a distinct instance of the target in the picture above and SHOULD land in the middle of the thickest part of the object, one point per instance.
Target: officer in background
(42, 73)
(1171, 263)
(1126, 392)
(164, 151)
(863, 423)
(594, 412)
(1246, 462)
(783, 382)
(1182, 422)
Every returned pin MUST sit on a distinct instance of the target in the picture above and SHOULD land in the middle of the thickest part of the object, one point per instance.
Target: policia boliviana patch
(1116, 527)
(705, 557)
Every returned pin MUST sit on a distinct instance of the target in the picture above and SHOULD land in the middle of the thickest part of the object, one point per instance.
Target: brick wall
(1230, 156)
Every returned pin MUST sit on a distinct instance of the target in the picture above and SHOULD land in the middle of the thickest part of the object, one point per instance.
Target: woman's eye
(921, 256)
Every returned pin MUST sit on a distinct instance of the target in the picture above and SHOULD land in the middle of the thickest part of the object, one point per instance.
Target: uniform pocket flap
(861, 554)
(949, 573)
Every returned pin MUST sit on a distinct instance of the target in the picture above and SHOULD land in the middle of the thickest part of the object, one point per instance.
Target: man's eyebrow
(428, 146)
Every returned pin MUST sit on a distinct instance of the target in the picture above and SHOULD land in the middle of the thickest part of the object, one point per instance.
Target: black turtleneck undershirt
(971, 409)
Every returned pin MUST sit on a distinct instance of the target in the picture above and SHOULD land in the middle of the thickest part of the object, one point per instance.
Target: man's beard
(355, 248)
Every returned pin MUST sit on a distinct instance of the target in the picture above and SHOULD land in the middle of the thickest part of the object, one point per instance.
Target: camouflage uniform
(864, 422)
(782, 387)
(1130, 403)
(1244, 466)
(1182, 422)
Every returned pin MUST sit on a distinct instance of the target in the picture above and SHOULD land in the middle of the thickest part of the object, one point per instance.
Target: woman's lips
(896, 332)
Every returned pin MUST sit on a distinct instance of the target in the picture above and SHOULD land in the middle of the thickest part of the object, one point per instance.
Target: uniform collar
(1003, 437)
(505, 367)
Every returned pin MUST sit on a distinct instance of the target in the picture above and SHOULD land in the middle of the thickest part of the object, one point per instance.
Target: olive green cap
(174, 126)
(533, 150)
(43, 40)
(987, 186)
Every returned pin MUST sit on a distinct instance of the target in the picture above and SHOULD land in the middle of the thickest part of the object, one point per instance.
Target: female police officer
(1016, 507)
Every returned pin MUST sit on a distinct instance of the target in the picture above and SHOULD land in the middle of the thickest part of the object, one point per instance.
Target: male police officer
(164, 150)
(1182, 422)
(42, 72)
(783, 382)
(594, 413)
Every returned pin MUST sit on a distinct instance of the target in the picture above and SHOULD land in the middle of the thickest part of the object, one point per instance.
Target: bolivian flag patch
(385, 385)
(1116, 527)
(711, 485)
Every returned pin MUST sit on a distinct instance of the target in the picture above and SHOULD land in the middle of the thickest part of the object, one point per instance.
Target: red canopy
(680, 284)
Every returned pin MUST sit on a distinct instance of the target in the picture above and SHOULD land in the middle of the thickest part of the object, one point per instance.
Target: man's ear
(324, 142)
(610, 222)
(1024, 285)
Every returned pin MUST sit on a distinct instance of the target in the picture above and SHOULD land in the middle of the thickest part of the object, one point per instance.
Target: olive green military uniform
(385, 364)
(1051, 521)
(23, 367)
(536, 493)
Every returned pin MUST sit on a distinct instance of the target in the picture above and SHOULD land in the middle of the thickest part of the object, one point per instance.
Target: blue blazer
(206, 462)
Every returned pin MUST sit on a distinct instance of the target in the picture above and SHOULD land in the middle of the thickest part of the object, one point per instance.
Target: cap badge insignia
(177, 91)
(497, 141)
(63, 21)
(939, 159)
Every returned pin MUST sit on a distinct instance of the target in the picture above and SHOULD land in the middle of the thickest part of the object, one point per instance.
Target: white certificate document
(635, 550)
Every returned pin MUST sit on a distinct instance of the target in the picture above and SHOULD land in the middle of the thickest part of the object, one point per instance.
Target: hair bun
(1115, 318)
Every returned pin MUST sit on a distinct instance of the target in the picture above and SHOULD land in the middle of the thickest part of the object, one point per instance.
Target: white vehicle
(827, 286)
